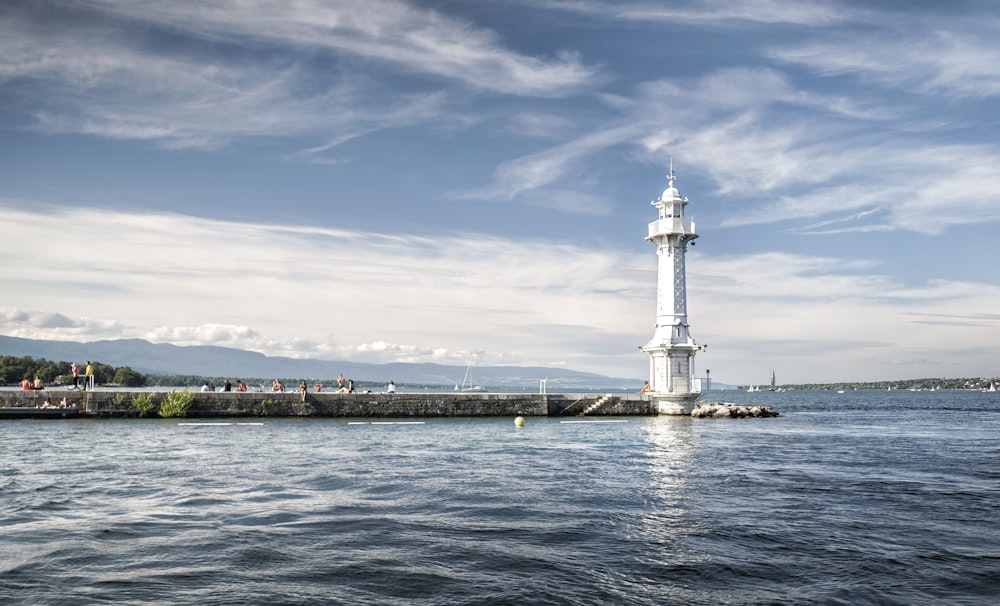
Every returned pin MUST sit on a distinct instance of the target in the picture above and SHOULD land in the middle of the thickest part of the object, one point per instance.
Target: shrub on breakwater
(176, 404)
(144, 403)
(269, 407)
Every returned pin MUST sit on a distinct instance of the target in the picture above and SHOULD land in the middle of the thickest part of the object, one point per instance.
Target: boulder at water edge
(727, 410)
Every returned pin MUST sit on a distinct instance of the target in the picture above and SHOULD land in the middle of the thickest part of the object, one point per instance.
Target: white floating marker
(595, 422)
(211, 424)
(398, 422)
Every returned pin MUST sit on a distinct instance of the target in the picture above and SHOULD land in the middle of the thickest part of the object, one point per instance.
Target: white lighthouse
(671, 350)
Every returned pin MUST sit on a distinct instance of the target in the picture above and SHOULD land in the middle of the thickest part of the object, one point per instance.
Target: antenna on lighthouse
(671, 177)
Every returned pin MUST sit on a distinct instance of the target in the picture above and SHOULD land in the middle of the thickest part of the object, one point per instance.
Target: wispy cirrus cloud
(199, 75)
(714, 13)
(944, 60)
(732, 109)
(791, 155)
(180, 101)
(420, 40)
(537, 171)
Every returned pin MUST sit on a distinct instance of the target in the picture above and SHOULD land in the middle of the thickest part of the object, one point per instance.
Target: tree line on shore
(13, 369)
(907, 384)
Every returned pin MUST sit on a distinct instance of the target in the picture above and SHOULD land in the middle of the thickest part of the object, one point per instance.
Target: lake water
(856, 498)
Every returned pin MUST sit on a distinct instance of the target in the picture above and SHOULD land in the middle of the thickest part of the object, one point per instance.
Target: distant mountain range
(209, 361)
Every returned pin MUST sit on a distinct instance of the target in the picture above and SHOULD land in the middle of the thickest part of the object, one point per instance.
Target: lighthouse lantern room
(671, 350)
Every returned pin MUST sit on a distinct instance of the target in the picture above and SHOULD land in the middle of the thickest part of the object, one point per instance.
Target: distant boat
(774, 386)
(992, 386)
(753, 388)
(466, 379)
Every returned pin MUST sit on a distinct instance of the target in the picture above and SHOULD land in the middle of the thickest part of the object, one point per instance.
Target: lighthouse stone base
(674, 404)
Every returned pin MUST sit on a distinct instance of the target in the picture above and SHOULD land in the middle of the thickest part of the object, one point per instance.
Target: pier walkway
(123, 404)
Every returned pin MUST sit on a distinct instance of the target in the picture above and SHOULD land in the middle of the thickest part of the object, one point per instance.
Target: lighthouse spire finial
(671, 176)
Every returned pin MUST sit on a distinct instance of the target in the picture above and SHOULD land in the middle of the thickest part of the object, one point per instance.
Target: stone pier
(122, 404)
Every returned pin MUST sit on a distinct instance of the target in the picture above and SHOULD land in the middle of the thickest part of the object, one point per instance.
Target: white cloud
(417, 39)
(542, 169)
(113, 86)
(805, 316)
(948, 59)
(331, 294)
(312, 292)
(786, 155)
(713, 13)
(892, 187)
(889, 138)
(44, 324)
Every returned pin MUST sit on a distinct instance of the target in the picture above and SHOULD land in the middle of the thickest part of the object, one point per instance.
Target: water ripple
(838, 508)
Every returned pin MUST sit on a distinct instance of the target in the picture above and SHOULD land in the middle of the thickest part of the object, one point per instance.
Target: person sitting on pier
(46, 404)
(277, 386)
(240, 385)
(25, 384)
(318, 387)
(303, 388)
(645, 388)
(39, 384)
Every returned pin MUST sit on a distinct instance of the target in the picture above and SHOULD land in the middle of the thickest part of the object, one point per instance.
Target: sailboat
(466, 379)
(774, 386)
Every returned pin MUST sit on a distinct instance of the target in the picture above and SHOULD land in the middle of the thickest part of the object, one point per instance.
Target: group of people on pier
(48, 404)
(27, 384)
(227, 386)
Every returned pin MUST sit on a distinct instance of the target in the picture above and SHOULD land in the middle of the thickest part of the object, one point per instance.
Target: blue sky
(444, 181)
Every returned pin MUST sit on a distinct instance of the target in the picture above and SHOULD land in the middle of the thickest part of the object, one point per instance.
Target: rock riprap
(726, 410)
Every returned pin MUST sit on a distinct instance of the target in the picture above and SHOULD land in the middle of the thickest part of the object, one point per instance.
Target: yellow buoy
(519, 422)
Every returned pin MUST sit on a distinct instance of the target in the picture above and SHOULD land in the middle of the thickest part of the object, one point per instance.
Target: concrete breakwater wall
(122, 404)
